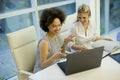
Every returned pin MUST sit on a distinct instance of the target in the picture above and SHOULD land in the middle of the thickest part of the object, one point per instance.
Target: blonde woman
(84, 30)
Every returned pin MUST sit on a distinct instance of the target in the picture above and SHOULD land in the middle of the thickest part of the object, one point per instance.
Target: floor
(14, 78)
(7, 65)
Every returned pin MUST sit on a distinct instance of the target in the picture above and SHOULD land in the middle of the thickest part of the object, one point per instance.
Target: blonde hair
(84, 9)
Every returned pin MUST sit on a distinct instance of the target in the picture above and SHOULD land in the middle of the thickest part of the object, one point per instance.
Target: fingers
(69, 38)
(108, 39)
(72, 37)
(60, 50)
(84, 48)
(61, 55)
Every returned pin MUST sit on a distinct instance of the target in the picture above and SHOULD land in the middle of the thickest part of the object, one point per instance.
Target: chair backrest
(23, 46)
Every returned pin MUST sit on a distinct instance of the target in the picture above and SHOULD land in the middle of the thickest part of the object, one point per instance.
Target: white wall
(95, 11)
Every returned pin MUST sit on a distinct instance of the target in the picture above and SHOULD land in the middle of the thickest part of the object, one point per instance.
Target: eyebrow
(80, 17)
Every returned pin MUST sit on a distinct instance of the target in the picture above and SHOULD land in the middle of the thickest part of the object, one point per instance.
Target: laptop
(81, 61)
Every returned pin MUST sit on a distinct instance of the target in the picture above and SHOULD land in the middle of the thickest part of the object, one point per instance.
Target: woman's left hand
(108, 39)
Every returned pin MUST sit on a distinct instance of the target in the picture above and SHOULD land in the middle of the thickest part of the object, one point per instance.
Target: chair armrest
(25, 72)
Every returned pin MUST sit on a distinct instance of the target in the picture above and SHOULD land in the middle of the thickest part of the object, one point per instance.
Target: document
(109, 46)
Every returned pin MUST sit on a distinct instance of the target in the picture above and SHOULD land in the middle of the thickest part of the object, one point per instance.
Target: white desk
(109, 70)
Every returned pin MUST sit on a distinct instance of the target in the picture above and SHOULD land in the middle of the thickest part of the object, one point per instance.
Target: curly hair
(48, 15)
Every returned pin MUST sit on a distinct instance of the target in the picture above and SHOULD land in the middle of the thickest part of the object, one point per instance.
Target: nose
(58, 28)
(81, 19)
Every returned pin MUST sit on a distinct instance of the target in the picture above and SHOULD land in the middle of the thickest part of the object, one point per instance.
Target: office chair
(23, 46)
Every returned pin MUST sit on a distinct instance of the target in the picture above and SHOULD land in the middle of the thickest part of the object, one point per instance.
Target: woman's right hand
(70, 38)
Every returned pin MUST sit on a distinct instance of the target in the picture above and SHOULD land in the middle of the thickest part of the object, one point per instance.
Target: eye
(59, 25)
(53, 26)
(84, 17)
(79, 17)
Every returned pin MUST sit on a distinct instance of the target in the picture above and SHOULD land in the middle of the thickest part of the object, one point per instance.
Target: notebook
(81, 61)
(116, 57)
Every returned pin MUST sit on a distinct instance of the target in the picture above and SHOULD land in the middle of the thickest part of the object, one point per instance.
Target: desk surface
(109, 70)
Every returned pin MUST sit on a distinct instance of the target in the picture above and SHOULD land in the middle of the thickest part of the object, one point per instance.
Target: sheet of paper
(109, 46)
(116, 52)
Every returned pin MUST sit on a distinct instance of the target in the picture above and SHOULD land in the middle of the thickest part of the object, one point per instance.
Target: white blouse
(82, 37)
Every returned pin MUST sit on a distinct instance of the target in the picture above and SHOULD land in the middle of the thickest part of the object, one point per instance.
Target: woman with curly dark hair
(50, 50)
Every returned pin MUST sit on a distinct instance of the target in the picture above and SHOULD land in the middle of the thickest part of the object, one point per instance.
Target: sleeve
(71, 30)
(96, 31)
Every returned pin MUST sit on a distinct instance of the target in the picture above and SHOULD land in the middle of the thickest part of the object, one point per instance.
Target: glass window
(102, 17)
(12, 5)
(114, 18)
(41, 2)
(69, 8)
(113, 15)
(12, 24)
(7, 25)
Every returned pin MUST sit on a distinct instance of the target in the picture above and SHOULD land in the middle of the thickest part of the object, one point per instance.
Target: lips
(57, 31)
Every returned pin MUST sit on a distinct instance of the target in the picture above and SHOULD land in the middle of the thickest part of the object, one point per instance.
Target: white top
(82, 38)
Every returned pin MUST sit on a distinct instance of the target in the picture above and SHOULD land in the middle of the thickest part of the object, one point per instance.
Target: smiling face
(55, 27)
(83, 18)
(84, 14)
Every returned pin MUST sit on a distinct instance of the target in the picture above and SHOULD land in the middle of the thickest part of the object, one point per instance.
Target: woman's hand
(59, 54)
(69, 38)
(76, 47)
(108, 39)
(99, 38)
(66, 40)
(83, 48)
